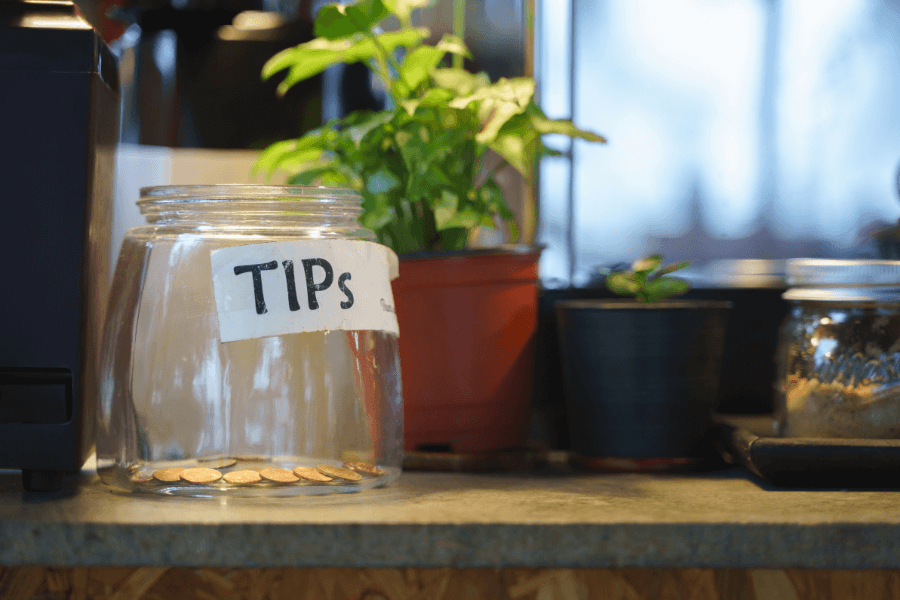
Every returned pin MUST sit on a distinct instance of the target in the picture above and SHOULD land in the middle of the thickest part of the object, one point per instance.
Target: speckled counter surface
(720, 519)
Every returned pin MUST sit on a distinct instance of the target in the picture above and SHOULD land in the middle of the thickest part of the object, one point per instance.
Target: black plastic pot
(641, 379)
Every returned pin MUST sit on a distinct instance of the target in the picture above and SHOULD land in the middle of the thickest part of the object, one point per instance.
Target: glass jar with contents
(251, 347)
(839, 352)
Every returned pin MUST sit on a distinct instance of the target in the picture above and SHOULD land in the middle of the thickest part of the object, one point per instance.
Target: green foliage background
(420, 165)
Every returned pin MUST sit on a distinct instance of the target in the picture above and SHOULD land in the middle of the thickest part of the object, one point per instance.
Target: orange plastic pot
(467, 334)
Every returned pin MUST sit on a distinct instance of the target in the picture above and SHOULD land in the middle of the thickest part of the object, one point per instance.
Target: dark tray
(811, 462)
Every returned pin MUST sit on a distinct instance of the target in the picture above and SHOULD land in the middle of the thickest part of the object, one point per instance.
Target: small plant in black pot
(641, 374)
(647, 280)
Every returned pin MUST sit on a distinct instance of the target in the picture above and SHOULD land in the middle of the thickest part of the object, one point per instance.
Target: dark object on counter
(747, 380)
(549, 423)
(513, 459)
(191, 74)
(641, 379)
(812, 462)
(59, 94)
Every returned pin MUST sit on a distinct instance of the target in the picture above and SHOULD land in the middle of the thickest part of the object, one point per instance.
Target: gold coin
(218, 463)
(168, 475)
(279, 475)
(141, 478)
(339, 472)
(365, 468)
(311, 474)
(201, 475)
(250, 458)
(242, 476)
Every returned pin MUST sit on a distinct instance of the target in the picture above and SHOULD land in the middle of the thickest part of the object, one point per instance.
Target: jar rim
(803, 272)
(240, 191)
(250, 206)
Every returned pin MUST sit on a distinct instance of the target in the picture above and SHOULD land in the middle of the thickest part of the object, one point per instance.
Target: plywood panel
(162, 583)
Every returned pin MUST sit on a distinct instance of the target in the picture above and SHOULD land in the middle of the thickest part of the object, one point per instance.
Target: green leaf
(435, 177)
(402, 9)
(646, 281)
(315, 50)
(335, 21)
(454, 45)
(378, 216)
(466, 218)
(498, 103)
(390, 41)
(310, 59)
(280, 61)
(366, 121)
(327, 175)
(456, 238)
(512, 149)
(518, 91)
(646, 265)
(300, 159)
(567, 128)
(621, 283)
(436, 97)
(410, 106)
(271, 156)
(445, 209)
(495, 200)
(665, 287)
(419, 64)
(545, 151)
(516, 142)
(382, 181)
(291, 153)
(500, 113)
(459, 80)
(513, 231)
(413, 147)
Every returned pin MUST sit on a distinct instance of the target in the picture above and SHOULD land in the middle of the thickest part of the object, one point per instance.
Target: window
(737, 129)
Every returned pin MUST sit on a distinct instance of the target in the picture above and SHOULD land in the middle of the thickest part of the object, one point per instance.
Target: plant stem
(459, 28)
(487, 177)
(384, 58)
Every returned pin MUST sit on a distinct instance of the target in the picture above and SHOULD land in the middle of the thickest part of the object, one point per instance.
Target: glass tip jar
(839, 350)
(251, 348)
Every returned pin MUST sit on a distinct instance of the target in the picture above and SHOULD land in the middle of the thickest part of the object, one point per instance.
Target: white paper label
(303, 285)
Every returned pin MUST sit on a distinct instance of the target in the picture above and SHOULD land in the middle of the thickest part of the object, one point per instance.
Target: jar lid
(742, 273)
(843, 280)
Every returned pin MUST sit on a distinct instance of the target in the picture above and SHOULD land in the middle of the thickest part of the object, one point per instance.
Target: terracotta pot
(467, 330)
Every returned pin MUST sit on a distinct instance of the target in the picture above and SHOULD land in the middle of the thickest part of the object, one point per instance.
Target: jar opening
(240, 191)
(843, 281)
(250, 205)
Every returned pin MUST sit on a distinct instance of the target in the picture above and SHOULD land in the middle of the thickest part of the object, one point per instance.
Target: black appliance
(58, 129)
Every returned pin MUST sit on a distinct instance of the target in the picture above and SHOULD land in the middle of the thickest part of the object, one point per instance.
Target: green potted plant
(429, 185)
(641, 374)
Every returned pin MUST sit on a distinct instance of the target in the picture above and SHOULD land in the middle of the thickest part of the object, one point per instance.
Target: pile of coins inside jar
(230, 471)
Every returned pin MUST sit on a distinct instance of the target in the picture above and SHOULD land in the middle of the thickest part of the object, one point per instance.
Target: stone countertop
(716, 519)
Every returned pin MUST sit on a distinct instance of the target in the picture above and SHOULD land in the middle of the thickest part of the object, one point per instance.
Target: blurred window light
(164, 51)
(738, 128)
(553, 70)
(250, 20)
(39, 21)
(838, 116)
(252, 25)
(554, 57)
